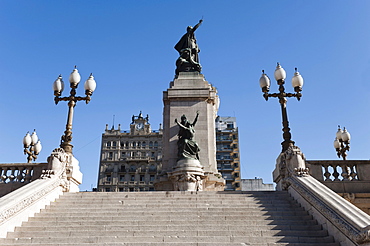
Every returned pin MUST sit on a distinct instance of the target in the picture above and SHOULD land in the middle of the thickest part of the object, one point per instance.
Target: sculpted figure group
(187, 147)
(188, 50)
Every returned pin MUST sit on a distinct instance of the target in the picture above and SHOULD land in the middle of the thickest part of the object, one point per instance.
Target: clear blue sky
(128, 45)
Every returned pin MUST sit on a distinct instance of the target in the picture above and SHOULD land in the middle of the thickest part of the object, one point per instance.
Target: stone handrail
(61, 175)
(347, 223)
(349, 176)
(15, 175)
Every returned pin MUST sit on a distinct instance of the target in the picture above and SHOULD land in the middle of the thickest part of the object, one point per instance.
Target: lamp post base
(67, 147)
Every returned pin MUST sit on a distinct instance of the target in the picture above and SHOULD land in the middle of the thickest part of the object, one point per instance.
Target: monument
(189, 159)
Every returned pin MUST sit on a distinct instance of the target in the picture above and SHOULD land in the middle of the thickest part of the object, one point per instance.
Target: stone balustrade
(315, 185)
(35, 185)
(349, 176)
(15, 175)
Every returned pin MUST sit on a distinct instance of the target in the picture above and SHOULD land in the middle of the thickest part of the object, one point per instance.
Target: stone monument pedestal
(188, 94)
(188, 175)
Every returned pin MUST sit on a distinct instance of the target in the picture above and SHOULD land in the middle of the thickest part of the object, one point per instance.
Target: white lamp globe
(90, 84)
(264, 80)
(279, 73)
(345, 135)
(58, 85)
(297, 80)
(75, 77)
(27, 140)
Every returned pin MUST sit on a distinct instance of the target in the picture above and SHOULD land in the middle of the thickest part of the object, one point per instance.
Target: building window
(110, 155)
(237, 185)
(123, 168)
(123, 154)
(109, 178)
(139, 144)
(151, 179)
(120, 189)
(127, 145)
(107, 189)
(144, 144)
(236, 175)
(121, 178)
(230, 125)
(132, 178)
(236, 165)
(108, 145)
(114, 144)
(132, 168)
(142, 178)
(152, 168)
(235, 155)
(122, 145)
(150, 145)
(155, 144)
(133, 144)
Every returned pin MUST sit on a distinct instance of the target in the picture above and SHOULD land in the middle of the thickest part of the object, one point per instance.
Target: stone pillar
(187, 94)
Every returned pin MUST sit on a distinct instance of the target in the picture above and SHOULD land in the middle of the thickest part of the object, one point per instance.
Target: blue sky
(128, 45)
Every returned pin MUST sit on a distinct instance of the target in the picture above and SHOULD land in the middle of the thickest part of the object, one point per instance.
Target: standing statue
(188, 50)
(187, 147)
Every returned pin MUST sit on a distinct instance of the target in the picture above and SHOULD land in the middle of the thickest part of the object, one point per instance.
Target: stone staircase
(171, 218)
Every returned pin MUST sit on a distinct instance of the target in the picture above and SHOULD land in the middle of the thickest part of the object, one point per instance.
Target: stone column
(187, 94)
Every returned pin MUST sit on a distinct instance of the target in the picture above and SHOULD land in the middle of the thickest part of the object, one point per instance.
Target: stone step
(120, 208)
(189, 227)
(167, 222)
(176, 244)
(167, 233)
(178, 212)
(169, 217)
(170, 239)
(118, 205)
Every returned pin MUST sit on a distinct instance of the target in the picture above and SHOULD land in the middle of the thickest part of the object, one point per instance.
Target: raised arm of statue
(196, 119)
(197, 25)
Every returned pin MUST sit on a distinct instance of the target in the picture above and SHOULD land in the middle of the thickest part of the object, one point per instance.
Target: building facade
(227, 152)
(130, 160)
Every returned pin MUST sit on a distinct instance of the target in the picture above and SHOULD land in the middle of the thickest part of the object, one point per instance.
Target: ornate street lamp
(297, 83)
(32, 146)
(72, 99)
(341, 142)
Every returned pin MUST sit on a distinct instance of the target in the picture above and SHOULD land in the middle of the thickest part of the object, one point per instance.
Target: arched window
(155, 144)
(143, 144)
(139, 144)
(150, 144)
(133, 144)
(127, 145)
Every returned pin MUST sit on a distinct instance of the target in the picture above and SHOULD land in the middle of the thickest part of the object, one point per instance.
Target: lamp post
(58, 86)
(341, 142)
(297, 83)
(32, 146)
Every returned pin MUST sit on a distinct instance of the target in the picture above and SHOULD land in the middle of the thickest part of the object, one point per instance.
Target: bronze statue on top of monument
(187, 147)
(188, 50)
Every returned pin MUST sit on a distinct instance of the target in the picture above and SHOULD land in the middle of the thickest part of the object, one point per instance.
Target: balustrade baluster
(335, 173)
(28, 177)
(20, 175)
(12, 175)
(327, 173)
(353, 172)
(345, 173)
